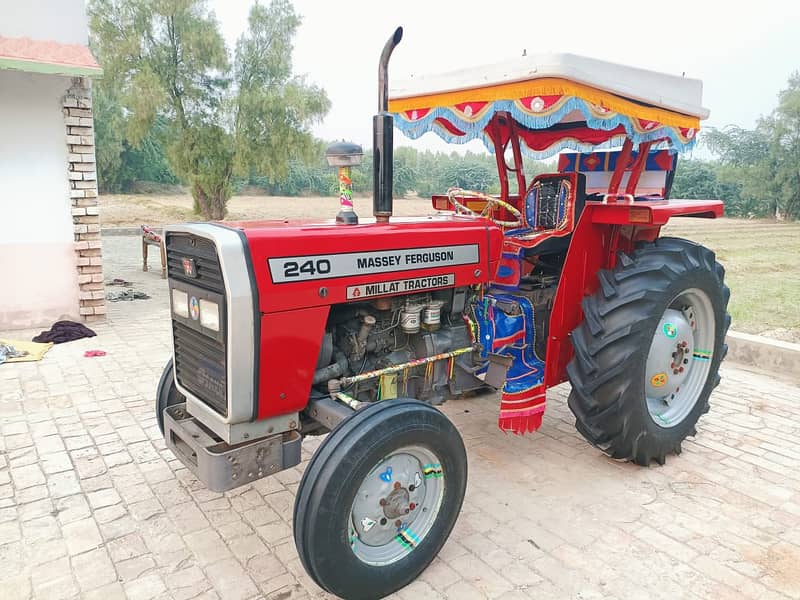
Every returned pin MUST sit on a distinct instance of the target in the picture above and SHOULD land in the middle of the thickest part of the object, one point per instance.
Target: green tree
(167, 60)
(707, 180)
(109, 132)
(745, 162)
(784, 126)
(764, 161)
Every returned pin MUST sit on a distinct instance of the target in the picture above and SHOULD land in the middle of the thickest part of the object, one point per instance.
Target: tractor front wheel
(379, 498)
(648, 351)
(167, 394)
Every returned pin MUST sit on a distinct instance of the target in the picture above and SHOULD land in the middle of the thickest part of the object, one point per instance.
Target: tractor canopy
(552, 102)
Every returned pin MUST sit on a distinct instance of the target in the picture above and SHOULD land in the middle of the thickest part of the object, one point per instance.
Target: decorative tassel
(522, 412)
(474, 129)
(521, 425)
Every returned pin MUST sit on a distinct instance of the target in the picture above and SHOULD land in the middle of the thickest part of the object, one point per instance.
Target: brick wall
(83, 192)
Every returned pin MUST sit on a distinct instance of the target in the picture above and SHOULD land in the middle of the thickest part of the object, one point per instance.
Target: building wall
(62, 21)
(38, 263)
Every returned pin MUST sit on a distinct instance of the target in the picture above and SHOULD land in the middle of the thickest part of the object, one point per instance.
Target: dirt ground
(760, 257)
(133, 210)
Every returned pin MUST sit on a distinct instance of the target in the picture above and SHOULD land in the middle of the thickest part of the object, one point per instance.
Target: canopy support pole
(500, 147)
(622, 164)
(638, 167)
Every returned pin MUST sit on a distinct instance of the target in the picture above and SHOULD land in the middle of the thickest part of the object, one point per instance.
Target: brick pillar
(83, 192)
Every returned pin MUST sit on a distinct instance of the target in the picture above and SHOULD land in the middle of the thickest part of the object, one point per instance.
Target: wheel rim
(396, 505)
(679, 360)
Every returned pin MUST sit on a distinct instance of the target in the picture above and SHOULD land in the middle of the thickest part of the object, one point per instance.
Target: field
(762, 258)
(762, 262)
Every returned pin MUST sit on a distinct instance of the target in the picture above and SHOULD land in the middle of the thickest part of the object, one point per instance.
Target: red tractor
(359, 329)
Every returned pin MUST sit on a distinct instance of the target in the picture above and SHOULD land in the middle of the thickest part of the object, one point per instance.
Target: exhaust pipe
(382, 140)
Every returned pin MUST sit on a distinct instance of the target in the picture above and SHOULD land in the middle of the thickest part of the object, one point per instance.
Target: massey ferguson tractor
(359, 328)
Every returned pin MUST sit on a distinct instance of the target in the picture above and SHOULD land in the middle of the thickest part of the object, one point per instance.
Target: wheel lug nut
(398, 523)
(680, 370)
(397, 485)
(412, 506)
(382, 502)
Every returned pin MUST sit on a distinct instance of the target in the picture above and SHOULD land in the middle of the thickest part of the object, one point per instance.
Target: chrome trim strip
(240, 329)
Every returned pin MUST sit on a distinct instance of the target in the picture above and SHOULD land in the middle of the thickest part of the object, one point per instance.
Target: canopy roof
(46, 56)
(582, 102)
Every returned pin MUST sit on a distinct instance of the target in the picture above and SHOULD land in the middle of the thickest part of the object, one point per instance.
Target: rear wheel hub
(680, 358)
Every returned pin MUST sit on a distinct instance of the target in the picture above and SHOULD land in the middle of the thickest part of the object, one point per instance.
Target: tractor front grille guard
(200, 355)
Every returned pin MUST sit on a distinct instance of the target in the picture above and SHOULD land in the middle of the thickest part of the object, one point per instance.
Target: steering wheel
(491, 202)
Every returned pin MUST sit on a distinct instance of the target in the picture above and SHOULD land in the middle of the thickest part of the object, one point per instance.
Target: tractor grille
(201, 366)
(200, 354)
(204, 254)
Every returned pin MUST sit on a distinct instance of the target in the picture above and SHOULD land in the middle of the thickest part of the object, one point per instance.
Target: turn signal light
(441, 203)
(639, 214)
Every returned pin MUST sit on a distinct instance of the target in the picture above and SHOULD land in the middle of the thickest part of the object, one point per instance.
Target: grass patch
(761, 264)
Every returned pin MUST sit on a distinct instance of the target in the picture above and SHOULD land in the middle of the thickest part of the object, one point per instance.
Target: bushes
(425, 173)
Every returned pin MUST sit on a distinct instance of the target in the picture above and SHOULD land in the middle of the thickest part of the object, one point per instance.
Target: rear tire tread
(617, 328)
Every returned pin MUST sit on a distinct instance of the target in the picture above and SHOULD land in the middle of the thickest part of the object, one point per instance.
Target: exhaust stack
(382, 140)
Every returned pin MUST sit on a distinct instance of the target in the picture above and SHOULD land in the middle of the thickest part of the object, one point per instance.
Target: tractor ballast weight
(359, 328)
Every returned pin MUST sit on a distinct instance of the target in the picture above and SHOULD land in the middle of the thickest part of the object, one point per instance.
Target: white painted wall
(38, 270)
(57, 20)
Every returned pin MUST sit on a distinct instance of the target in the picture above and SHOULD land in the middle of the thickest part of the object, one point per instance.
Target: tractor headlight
(180, 303)
(209, 314)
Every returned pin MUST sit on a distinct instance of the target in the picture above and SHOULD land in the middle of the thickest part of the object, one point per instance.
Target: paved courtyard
(92, 505)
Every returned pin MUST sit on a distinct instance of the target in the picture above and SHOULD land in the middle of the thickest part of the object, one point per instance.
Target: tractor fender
(602, 230)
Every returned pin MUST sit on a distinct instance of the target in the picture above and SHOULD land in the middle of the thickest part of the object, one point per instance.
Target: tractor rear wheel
(648, 351)
(166, 394)
(379, 498)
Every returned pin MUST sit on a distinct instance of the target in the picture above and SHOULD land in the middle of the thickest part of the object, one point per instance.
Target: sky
(744, 52)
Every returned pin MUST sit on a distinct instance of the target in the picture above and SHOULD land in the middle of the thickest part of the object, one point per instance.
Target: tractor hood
(314, 264)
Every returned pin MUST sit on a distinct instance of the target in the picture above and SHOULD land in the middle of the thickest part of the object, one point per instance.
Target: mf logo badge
(658, 380)
(194, 308)
(189, 268)
(670, 330)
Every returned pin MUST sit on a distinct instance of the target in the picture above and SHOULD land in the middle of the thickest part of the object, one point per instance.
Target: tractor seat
(553, 204)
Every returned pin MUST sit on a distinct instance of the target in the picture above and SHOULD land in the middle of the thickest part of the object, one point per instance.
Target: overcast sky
(743, 51)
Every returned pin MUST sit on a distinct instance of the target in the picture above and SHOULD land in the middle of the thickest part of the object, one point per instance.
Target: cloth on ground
(21, 351)
(130, 294)
(118, 281)
(64, 331)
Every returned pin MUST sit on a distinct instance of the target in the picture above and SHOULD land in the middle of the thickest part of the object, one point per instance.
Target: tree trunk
(211, 206)
(201, 203)
(217, 207)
